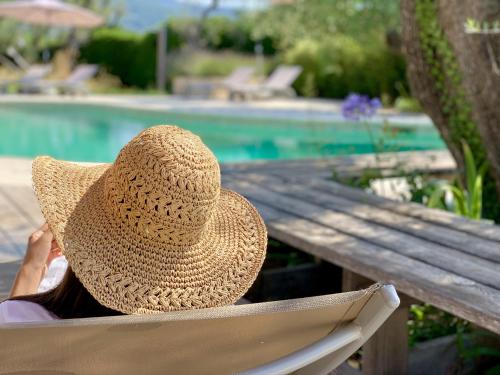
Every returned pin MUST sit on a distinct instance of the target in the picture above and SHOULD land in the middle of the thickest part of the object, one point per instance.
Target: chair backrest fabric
(239, 76)
(222, 340)
(35, 73)
(81, 74)
(283, 77)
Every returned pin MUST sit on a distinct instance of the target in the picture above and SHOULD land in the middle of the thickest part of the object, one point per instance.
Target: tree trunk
(474, 92)
(481, 83)
(421, 81)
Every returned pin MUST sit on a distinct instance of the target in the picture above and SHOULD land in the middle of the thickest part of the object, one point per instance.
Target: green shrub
(336, 66)
(306, 53)
(125, 54)
(222, 33)
(428, 322)
(467, 200)
(128, 55)
(208, 64)
(407, 104)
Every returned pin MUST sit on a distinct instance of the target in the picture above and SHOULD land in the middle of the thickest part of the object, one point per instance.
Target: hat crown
(164, 185)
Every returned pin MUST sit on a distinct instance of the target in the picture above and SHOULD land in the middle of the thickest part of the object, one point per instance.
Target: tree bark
(481, 83)
(473, 54)
(421, 80)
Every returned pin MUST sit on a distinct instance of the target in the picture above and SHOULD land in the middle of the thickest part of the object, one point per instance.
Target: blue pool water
(96, 133)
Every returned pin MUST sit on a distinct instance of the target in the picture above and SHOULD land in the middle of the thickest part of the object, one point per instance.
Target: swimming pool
(96, 133)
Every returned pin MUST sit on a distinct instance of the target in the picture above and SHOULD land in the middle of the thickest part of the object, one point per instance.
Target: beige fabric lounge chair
(310, 336)
(6, 62)
(77, 80)
(31, 76)
(17, 58)
(279, 83)
(239, 76)
(75, 83)
(196, 87)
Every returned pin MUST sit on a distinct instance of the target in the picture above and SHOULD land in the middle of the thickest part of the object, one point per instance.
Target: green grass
(209, 64)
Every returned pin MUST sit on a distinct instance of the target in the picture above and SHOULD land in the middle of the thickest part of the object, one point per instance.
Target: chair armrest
(336, 340)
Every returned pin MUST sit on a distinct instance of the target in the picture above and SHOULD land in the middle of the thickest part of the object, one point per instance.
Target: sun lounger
(5, 61)
(279, 83)
(75, 83)
(310, 335)
(77, 80)
(33, 75)
(191, 87)
(239, 76)
(17, 58)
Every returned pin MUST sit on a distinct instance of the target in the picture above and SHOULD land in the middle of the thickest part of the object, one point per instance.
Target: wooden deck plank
(351, 165)
(15, 229)
(8, 272)
(451, 260)
(450, 292)
(24, 200)
(8, 249)
(445, 236)
(435, 216)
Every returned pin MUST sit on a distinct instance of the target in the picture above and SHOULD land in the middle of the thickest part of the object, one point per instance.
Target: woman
(152, 232)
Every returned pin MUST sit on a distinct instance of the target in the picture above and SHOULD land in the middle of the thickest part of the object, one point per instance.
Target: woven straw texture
(154, 231)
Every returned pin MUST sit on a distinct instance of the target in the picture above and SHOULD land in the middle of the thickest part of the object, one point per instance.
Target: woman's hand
(42, 249)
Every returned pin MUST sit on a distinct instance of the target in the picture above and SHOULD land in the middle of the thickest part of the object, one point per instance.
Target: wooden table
(429, 255)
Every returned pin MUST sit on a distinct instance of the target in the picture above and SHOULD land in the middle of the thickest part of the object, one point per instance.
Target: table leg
(386, 352)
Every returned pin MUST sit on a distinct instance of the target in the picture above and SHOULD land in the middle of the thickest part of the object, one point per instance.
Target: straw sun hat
(153, 231)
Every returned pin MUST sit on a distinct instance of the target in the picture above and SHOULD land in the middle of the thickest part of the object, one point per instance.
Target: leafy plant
(282, 255)
(421, 187)
(360, 109)
(209, 64)
(467, 200)
(473, 26)
(405, 104)
(428, 322)
(472, 346)
(363, 181)
(365, 20)
(334, 67)
(135, 64)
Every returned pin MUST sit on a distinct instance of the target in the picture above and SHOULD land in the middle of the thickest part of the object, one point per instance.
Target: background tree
(452, 75)
(30, 40)
(367, 21)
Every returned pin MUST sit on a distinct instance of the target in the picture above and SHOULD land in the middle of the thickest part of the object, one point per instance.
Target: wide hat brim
(133, 274)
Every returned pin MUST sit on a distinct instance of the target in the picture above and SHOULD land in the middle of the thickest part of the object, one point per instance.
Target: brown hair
(69, 300)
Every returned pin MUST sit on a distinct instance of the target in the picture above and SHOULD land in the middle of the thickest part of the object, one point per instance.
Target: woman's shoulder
(23, 311)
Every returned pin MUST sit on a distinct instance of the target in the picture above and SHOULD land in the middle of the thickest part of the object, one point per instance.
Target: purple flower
(356, 107)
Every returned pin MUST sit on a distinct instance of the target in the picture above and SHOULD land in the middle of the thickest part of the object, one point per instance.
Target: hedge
(128, 55)
(222, 33)
(340, 64)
